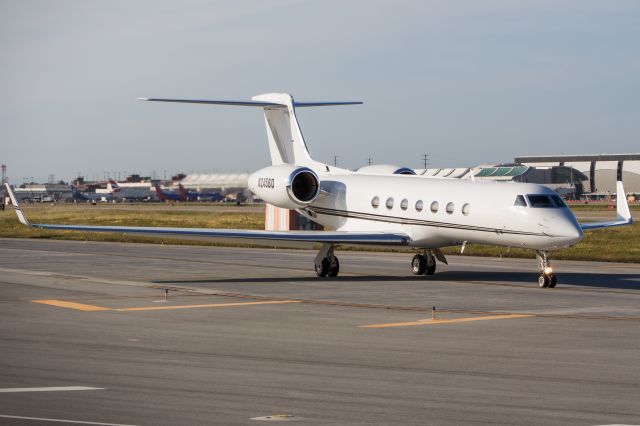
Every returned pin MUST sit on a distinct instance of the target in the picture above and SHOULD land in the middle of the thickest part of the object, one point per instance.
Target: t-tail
(286, 142)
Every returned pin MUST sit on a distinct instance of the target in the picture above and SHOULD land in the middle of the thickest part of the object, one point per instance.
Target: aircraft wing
(335, 237)
(623, 216)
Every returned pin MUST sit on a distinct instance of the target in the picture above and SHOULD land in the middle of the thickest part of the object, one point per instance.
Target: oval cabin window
(434, 207)
(466, 209)
(404, 204)
(449, 208)
(389, 203)
(375, 202)
(419, 205)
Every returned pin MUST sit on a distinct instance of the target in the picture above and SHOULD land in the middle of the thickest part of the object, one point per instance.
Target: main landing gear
(326, 263)
(423, 263)
(547, 278)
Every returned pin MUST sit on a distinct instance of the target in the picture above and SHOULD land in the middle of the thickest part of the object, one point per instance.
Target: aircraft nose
(576, 233)
(565, 230)
(570, 232)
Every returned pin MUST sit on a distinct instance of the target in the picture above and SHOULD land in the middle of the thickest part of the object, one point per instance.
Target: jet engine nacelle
(386, 169)
(287, 185)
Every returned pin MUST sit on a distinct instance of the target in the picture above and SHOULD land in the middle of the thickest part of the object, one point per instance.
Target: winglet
(21, 217)
(622, 206)
(623, 214)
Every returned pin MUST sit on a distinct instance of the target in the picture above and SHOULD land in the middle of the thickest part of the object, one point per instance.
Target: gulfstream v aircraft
(387, 207)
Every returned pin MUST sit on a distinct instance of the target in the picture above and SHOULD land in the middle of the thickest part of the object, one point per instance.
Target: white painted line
(276, 418)
(49, 389)
(42, 419)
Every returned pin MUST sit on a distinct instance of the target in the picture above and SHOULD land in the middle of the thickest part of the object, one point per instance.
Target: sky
(466, 82)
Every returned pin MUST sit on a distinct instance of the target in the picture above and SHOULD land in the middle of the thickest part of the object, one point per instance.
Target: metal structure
(593, 165)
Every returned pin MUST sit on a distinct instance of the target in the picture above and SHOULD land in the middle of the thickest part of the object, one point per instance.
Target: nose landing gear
(547, 277)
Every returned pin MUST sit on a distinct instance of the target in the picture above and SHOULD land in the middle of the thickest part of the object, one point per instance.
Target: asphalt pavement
(251, 335)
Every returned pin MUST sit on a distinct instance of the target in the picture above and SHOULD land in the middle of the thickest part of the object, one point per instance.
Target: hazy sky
(466, 81)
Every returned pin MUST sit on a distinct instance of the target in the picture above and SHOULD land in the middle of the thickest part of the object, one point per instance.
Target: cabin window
(419, 205)
(434, 207)
(389, 203)
(466, 208)
(449, 208)
(404, 204)
(520, 202)
(375, 202)
(540, 201)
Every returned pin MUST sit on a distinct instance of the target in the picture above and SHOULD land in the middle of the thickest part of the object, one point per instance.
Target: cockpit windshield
(545, 201)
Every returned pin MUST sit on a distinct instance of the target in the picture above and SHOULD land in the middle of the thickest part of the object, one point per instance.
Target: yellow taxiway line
(71, 305)
(446, 321)
(83, 307)
(210, 305)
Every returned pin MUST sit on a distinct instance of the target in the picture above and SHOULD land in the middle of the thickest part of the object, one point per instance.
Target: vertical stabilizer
(286, 143)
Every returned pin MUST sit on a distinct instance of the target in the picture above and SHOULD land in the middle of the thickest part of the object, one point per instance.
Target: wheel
(418, 264)
(334, 268)
(553, 280)
(543, 281)
(431, 265)
(322, 268)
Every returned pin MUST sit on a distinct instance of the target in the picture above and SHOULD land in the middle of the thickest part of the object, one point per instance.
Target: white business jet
(386, 206)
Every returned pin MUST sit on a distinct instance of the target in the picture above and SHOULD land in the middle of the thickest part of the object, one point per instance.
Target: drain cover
(277, 418)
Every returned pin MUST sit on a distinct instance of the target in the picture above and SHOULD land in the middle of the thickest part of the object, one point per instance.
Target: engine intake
(286, 185)
(304, 185)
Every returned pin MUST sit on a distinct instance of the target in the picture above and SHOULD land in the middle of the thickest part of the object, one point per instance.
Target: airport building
(576, 176)
(600, 170)
(46, 192)
(234, 186)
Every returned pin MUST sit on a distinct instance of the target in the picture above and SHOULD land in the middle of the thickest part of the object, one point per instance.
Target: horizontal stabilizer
(233, 103)
(317, 104)
(250, 103)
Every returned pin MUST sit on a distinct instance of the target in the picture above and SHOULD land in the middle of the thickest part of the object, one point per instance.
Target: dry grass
(124, 216)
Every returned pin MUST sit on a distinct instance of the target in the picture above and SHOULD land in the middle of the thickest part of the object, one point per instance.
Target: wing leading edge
(335, 237)
(623, 214)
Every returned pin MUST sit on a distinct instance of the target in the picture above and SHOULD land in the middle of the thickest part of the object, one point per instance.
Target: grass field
(614, 245)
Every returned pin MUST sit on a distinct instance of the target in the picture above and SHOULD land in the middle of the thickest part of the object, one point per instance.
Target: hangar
(600, 170)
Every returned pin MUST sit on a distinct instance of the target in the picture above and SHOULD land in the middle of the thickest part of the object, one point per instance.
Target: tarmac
(251, 335)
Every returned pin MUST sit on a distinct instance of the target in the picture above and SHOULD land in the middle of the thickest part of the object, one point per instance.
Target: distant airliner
(169, 196)
(395, 209)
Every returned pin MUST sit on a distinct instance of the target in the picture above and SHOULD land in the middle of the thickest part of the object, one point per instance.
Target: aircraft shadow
(610, 281)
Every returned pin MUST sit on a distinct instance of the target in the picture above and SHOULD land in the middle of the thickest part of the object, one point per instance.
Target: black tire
(543, 281)
(322, 269)
(418, 264)
(334, 268)
(431, 269)
(553, 280)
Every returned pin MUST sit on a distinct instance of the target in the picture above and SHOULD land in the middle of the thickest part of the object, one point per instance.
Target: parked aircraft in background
(89, 196)
(127, 193)
(200, 196)
(387, 209)
(185, 195)
(169, 196)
